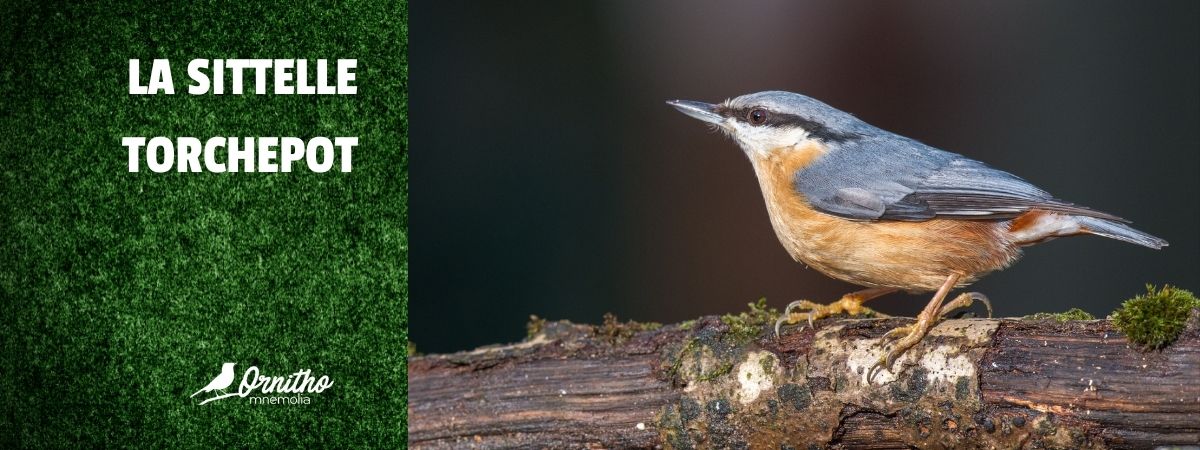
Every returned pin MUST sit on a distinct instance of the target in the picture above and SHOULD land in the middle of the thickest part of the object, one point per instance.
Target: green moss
(1155, 319)
(412, 349)
(534, 326)
(720, 371)
(1071, 314)
(616, 332)
(678, 362)
(747, 325)
(742, 327)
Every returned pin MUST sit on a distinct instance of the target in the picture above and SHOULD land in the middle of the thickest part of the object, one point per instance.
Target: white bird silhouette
(221, 382)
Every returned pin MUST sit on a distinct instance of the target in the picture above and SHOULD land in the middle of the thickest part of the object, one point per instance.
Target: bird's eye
(757, 116)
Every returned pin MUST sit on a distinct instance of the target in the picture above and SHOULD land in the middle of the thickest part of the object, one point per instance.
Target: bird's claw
(879, 364)
(787, 320)
(885, 361)
(849, 304)
(790, 318)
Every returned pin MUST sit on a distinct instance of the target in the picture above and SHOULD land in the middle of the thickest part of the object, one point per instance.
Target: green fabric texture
(123, 293)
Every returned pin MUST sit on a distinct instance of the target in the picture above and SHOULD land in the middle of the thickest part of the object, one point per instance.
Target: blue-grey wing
(896, 178)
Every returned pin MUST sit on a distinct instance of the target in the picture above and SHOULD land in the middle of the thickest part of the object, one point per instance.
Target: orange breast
(914, 256)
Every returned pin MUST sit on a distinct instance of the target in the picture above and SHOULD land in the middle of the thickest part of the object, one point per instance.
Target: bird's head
(768, 121)
(227, 366)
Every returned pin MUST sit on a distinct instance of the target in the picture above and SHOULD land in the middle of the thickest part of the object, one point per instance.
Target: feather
(889, 177)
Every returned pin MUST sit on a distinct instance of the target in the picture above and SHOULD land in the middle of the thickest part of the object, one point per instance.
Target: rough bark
(972, 383)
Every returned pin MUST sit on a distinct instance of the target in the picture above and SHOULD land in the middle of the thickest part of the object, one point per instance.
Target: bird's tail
(197, 393)
(1041, 226)
(1118, 231)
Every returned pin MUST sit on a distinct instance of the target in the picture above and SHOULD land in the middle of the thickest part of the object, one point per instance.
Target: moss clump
(1156, 318)
(412, 349)
(746, 325)
(616, 332)
(534, 326)
(1071, 314)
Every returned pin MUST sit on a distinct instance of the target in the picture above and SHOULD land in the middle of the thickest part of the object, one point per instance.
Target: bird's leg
(914, 332)
(850, 304)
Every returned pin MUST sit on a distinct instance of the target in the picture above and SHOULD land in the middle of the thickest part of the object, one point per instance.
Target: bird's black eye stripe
(771, 118)
(757, 115)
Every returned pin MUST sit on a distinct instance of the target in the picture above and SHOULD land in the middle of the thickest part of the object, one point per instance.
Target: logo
(298, 384)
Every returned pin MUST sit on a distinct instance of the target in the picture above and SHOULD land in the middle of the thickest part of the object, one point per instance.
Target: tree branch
(972, 383)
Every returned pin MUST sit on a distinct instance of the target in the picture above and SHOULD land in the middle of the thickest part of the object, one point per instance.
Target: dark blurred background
(548, 177)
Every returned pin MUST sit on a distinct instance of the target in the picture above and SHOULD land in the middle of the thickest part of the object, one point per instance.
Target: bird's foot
(806, 311)
(904, 338)
(907, 336)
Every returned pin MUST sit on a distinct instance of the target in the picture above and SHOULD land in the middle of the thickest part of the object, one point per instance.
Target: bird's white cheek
(762, 140)
(749, 139)
(792, 137)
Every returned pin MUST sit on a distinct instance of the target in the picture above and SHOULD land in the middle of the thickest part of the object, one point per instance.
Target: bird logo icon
(221, 382)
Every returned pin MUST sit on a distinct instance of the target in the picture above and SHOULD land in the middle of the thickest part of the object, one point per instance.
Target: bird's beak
(698, 110)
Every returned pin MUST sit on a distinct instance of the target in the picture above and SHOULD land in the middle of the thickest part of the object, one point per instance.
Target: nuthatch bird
(883, 211)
